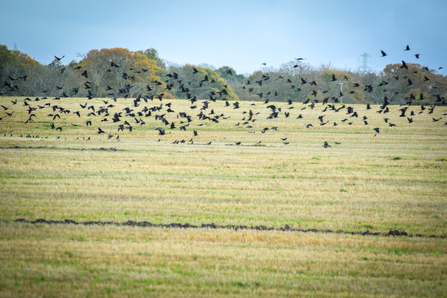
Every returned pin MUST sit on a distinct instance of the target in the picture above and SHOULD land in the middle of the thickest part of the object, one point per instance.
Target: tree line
(118, 72)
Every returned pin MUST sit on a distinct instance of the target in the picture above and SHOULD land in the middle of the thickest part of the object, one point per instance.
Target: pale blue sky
(240, 34)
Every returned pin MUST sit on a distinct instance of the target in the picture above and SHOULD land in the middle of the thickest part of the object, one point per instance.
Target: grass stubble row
(394, 180)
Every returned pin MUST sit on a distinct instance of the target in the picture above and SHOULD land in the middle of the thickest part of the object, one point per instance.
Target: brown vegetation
(394, 180)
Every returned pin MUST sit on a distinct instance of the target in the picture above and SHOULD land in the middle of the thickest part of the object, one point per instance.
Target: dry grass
(396, 180)
(98, 261)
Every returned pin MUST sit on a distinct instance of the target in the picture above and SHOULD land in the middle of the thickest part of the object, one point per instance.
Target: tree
(200, 83)
(126, 73)
(341, 89)
(411, 80)
(7, 58)
(283, 84)
(229, 74)
(15, 64)
(152, 54)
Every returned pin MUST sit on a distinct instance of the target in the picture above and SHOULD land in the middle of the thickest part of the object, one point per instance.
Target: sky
(240, 34)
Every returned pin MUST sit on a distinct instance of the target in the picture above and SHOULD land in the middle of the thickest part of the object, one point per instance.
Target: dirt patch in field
(214, 226)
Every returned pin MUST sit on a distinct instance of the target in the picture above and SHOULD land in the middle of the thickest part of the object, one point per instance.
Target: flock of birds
(139, 113)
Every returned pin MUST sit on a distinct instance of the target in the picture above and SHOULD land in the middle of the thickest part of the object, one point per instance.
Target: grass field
(392, 180)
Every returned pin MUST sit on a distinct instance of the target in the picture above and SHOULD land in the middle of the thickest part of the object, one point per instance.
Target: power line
(364, 67)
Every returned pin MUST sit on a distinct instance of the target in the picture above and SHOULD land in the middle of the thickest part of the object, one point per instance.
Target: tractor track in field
(214, 226)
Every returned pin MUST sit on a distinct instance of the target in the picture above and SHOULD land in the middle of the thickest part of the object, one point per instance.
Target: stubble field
(376, 182)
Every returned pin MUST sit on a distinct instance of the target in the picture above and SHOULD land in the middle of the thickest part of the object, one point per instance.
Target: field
(366, 181)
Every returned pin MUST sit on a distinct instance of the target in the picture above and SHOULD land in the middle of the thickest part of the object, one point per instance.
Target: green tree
(200, 83)
(229, 74)
(15, 64)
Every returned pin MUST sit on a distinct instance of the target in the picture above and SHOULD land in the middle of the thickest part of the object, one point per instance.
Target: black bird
(376, 130)
(326, 144)
(100, 131)
(59, 59)
(404, 65)
(383, 53)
